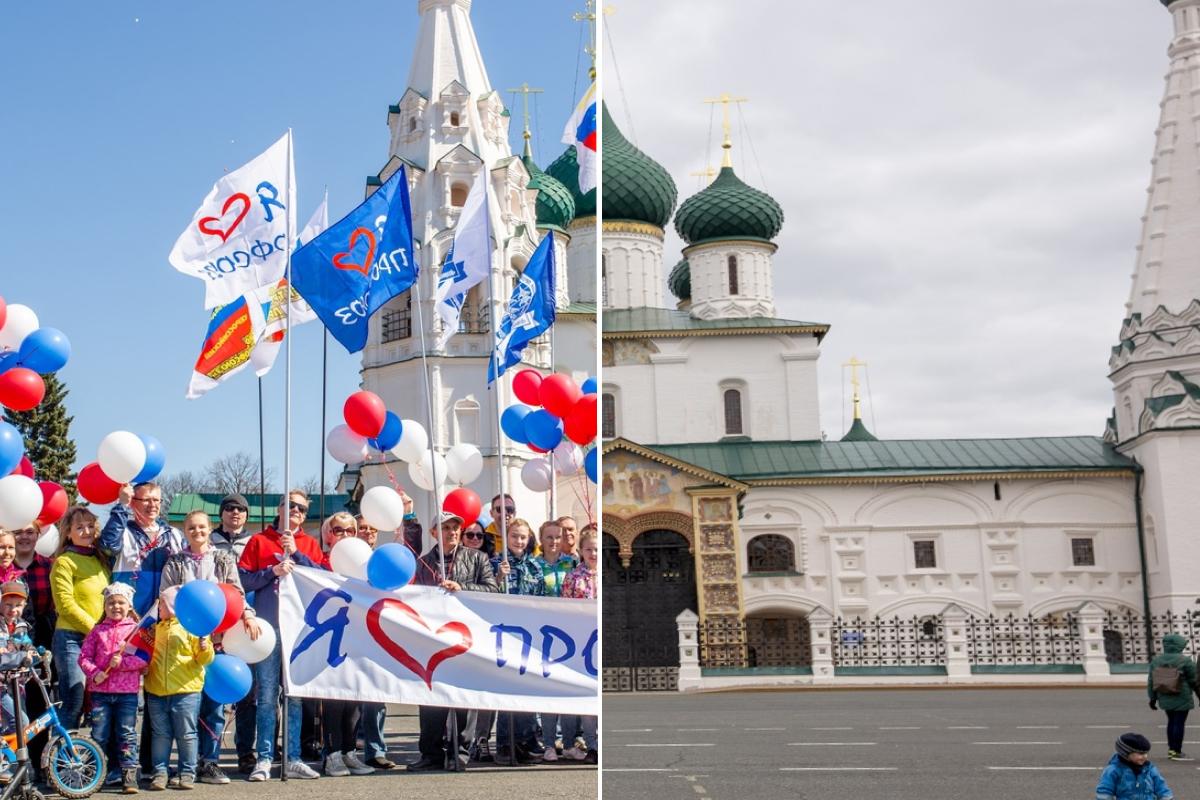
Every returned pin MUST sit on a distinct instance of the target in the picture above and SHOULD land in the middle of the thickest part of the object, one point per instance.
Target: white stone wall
(581, 261)
(633, 270)
(854, 547)
(678, 395)
(709, 265)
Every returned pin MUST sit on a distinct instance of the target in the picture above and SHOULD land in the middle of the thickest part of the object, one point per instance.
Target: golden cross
(725, 99)
(525, 90)
(589, 14)
(707, 172)
(854, 364)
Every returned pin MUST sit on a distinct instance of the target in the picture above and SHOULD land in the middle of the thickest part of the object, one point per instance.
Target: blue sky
(118, 117)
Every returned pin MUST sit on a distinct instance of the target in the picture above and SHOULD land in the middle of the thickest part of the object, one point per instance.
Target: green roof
(1159, 404)
(858, 433)
(579, 308)
(680, 280)
(664, 321)
(636, 187)
(728, 208)
(262, 511)
(565, 170)
(755, 461)
(555, 206)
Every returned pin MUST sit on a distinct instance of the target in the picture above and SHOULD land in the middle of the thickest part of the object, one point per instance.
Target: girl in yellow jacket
(173, 685)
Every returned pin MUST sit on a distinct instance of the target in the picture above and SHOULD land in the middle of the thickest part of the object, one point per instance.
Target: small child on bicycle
(114, 678)
(14, 638)
(173, 685)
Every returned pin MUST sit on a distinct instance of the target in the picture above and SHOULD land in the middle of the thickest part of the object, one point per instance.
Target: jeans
(244, 717)
(114, 716)
(173, 718)
(589, 730)
(340, 720)
(374, 715)
(269, 676)
(432, 740)
(65, 647)
(525, 730)
(212, 725)
(1176, 720)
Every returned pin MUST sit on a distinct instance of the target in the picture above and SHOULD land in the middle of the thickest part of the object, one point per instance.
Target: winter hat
(122, 589)
(235, 500)
(1128, 743)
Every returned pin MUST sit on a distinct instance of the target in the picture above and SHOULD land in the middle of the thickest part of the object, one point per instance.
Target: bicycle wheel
(79, 773)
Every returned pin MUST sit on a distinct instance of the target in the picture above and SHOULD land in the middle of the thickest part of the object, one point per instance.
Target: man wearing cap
(464, 569)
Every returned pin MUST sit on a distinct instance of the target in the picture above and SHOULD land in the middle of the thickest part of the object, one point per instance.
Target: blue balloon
(44, 351)
(12, 447)
(543, 429)
(8, 360)
(589, 386)
(200, 606)
(389, 437)
(156, 459)
(391, 566)
(227, 679)
(512, 422)
(590, 464)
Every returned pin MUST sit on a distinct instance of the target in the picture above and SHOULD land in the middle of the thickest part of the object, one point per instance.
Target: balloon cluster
(122, 457)
(389, 567)
(565, 421)
(204, 608)
(27, 352)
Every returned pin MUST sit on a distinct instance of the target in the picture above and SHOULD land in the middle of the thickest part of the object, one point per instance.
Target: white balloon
(346, 446)
(47, 543)
(349, 557)
(536, 475)
(425, 477)
(568, 458)
(414, 441)
(463, 463)
(122, 455)
(19, 323)
(382, 508)
(20, 501)
(238, 643)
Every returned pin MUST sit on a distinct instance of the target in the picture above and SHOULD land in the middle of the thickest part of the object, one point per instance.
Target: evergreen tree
(47, 432)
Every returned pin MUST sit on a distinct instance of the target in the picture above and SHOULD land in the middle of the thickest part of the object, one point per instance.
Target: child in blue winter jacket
(1130, 774)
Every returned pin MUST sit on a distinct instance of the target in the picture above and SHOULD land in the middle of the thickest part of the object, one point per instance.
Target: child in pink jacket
(114, 678)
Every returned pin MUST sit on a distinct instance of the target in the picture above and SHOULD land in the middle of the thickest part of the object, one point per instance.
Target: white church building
(740, 544)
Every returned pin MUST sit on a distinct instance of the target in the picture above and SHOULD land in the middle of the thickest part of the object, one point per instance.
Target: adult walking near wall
(1171, 684)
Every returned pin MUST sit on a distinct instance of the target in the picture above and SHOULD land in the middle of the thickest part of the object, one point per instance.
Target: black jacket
(466, 567)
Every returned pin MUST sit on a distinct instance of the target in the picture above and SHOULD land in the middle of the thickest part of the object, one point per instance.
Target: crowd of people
(109, 587)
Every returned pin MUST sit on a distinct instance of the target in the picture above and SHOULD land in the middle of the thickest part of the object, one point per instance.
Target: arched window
(454, 118)
(608, 416)
(458, 195)
(770, 553)
(733, 412)
(733, 275)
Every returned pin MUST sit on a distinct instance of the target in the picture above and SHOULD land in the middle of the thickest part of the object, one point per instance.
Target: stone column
(820, 626)
(688, 625)
(1090, 618)
(958, 659)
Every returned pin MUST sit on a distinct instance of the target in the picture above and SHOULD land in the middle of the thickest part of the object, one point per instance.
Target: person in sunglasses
(269, 556)
(476, 538)
(502, 505)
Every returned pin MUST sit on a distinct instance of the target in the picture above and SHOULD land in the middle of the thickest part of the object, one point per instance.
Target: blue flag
(348, 272)
(530, 311)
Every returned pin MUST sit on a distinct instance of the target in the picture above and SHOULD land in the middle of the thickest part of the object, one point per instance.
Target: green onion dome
(565, 170)
(680, 280)
(636, 187)
(555, 205)
(728, 208)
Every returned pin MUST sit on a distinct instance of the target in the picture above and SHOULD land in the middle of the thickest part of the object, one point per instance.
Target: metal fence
(888, 642)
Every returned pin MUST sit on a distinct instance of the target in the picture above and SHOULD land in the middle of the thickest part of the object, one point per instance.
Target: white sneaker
(355, 765)
(574, 754)
(298, 769)
(261, 771)
(334, 767)
(550, 755)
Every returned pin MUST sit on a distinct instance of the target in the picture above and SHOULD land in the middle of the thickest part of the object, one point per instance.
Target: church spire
(858, 430)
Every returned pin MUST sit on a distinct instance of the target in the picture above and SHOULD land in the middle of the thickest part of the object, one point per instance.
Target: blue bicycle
(74, 765)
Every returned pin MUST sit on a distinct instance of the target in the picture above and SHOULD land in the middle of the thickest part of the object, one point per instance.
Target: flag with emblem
(468, 261)
(229, 345)
(530, 311)
(581, 132)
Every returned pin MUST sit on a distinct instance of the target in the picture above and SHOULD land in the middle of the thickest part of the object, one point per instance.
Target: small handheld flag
(530, 311)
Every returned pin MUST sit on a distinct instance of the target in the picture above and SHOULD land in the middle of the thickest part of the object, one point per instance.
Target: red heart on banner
(340, 261)
(396, 651)
(205, 226)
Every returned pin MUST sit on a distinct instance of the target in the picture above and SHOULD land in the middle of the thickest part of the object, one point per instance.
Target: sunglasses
(298, 507)
(473, 535)
(507, 510)
(339, 530)
(233, 509)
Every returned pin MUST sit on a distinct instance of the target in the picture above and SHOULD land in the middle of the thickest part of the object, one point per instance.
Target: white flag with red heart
(238, 239)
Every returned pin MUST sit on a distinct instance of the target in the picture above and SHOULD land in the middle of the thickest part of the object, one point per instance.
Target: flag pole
(553, 466)
(262, 458)
(287, 417)
(324, 398)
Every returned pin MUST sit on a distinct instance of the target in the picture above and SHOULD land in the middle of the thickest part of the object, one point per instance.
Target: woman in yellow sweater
(77, 582)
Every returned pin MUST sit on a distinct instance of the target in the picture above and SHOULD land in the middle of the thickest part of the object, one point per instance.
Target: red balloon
(365, 413)
(54, 502)
(580, 424)
(96, 487)
(558, 394)
(235, 604)
(465, 503)
(525, 386)
(535, 448)
(24, 468)
(21, 389)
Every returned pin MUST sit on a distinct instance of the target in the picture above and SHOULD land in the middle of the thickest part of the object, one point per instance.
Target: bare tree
(186, 482)
(312, 485)
(235, 473)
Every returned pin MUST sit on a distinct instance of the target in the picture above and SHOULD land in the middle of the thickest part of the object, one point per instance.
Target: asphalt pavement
(866, 744)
